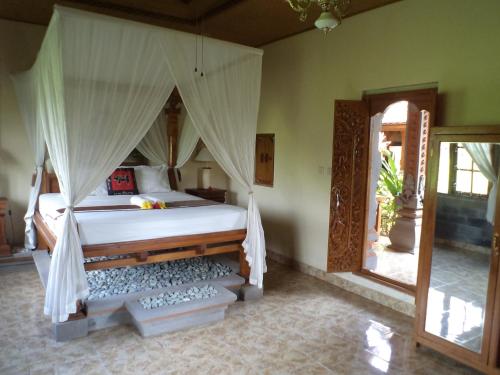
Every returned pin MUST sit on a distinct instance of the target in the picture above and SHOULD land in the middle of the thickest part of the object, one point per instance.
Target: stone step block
(185, 315)
(111, 311)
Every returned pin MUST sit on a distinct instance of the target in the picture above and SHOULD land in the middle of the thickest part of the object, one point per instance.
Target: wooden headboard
(50, 184)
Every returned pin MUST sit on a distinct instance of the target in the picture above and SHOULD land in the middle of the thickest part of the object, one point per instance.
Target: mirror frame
(488, 358)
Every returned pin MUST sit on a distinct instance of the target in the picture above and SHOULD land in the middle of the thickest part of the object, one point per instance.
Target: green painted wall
(19, 44)
(455, 43)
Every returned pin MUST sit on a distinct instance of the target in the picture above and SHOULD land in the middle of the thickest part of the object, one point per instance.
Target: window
(465, 176)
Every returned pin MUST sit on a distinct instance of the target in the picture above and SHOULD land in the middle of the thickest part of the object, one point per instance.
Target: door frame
(424, 99)
(489, 354)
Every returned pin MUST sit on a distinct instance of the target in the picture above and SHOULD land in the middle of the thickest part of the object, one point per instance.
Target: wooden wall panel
(264, 159)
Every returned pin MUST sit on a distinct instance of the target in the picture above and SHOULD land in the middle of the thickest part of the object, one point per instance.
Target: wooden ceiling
(250, 22)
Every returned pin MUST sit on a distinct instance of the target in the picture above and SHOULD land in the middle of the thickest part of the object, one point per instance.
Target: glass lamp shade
(326, 22)
(205, 178)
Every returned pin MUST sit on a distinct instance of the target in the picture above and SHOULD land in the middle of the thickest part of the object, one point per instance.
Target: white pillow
(152, 179)
(101, 190)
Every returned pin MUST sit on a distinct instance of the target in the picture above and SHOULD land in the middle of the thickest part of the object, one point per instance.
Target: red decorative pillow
(122, 182)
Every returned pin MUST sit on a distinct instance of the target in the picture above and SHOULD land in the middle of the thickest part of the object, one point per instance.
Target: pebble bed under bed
(115, 281)
(179, 296)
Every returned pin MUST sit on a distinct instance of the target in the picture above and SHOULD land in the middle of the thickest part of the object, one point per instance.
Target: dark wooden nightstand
(217, 195)
(4, 246)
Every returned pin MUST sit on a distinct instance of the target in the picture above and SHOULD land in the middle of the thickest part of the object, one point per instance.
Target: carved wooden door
(349, 184)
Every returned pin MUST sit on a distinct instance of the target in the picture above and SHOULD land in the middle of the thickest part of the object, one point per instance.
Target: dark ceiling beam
(221, 8)
(102, 5)
(192, 21)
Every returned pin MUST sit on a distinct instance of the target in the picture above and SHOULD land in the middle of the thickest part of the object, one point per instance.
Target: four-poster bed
(145, 251)
(92, 96)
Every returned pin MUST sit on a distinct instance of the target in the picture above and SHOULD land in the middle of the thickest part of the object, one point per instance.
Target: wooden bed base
(134, 253)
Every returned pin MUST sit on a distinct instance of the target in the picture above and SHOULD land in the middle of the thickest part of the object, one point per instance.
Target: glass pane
(463, 182)
(444, 168)
(479, 184)
(385, 185)
(460, 266)
(464, 160)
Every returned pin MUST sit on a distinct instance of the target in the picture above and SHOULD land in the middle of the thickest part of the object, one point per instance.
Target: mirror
(461, 252)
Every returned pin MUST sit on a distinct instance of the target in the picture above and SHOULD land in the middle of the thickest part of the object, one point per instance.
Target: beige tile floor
(301, 326)
(395, 265)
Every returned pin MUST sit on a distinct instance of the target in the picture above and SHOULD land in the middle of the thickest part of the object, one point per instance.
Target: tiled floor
(459, 281)
(395, 265)
(301, 326)
(403, 266)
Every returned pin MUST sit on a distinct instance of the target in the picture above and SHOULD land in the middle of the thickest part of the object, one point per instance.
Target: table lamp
(204, 156)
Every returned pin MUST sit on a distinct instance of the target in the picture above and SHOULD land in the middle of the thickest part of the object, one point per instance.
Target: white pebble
(115, 281)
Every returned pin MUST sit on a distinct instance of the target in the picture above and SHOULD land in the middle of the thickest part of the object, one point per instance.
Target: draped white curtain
(100, 84)
(154, 145)
(26, 94)
(100, 88)
(481, 154)
(223, 105)
(188, 139)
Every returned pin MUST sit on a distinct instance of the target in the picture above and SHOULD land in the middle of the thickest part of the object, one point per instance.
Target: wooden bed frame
(133, 253)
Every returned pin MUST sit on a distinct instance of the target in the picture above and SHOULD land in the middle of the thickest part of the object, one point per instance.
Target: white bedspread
(97, 227)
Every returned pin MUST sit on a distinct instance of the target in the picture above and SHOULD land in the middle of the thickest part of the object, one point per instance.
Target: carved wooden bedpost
(244, 267)
(173, 110)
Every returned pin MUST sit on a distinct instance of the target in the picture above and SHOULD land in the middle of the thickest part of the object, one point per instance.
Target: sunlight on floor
(395, 265)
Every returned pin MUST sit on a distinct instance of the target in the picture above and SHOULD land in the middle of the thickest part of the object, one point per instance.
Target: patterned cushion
(122, 182)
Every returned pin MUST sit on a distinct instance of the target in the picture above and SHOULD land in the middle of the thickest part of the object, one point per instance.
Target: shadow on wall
(15, 229)
(7, 158)
(281, 235)
(3, 184)
(441, 106)
(281, 239)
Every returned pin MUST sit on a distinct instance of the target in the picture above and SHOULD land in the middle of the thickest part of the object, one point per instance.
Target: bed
(87, 139)
(127, 236)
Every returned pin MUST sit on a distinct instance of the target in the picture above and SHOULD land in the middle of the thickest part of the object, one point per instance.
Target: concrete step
(111, 311)
(181, 316)
(16, 259)
(42, 262)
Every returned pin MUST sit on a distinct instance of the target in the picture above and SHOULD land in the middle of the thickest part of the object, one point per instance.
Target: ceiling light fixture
(331, 15)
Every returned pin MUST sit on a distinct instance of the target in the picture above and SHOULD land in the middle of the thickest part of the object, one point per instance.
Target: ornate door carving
(349, 184)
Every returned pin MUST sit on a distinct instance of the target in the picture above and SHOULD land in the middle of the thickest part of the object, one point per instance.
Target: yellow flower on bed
(162, 204)
(147, 205)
